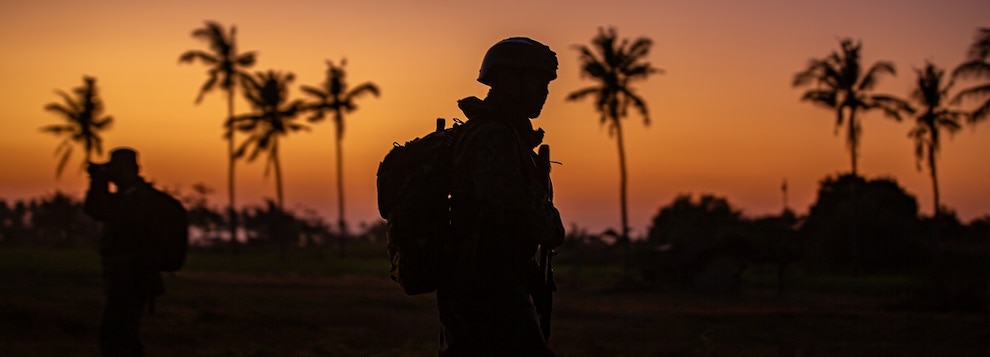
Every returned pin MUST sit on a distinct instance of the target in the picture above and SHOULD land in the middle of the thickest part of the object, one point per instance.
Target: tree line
(57, 220)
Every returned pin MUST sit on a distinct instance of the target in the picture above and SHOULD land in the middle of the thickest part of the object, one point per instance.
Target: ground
(318, 305)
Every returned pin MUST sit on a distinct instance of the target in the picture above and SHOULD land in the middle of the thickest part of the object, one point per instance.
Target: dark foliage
(698, 244)
(57, 220)
(863, 226)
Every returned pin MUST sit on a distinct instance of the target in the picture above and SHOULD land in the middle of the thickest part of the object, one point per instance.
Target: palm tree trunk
(338, 121)
(622, 195)
(931, 167)
(854, 243)
(280, 225)
(231, 211)
(853, 139)
(936, 219)
(89, 153)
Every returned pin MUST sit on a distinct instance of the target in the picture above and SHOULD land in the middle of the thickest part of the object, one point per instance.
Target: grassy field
(314, 304)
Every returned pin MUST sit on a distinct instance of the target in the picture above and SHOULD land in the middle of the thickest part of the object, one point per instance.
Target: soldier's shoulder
(480, 130)
(163, 196)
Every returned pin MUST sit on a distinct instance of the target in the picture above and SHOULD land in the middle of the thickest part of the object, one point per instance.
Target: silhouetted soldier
(500, 210)
(134, 217)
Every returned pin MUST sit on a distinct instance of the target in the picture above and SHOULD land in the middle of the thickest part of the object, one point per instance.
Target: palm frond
(192, 55)
(297, 127)
(980, 113)
(581, 93)
(978, 93)
(823, 97)
(70, 103)
(892, 106)
(242, 148)
(62, 161)
(68, 114)
(207, 86)
(103, 123)
(596, 70)
(808, 75)
(316, 92)
(247, 127)
(951, 125)
(972, 70)
(246, 59)
(869, 80)
(638, 103)
(57, 129)
(640, 48)
(361, 89)
(318, 115)
(640, 71)
(840, 118)
(980, 49)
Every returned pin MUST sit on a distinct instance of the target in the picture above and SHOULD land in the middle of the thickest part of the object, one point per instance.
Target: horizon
(725, 119)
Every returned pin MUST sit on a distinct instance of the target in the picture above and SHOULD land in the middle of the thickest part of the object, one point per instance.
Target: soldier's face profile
(535, 88)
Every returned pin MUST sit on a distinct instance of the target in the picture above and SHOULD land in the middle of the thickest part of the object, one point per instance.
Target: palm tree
(335, 96)
(615, 65)
(840, 84)
(226, 68)
(977, 66)
(84, 120)
(934, 117)
(273, 118)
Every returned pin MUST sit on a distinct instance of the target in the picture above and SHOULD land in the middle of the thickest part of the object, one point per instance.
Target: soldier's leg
(489, 323)
(120, 326)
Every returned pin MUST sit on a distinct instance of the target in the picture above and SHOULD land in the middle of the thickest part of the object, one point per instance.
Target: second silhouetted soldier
(135, 218)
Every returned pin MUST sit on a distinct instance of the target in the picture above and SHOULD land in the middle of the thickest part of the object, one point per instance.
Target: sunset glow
(724, 117)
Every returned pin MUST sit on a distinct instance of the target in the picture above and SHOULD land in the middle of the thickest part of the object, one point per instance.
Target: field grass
(314, 304)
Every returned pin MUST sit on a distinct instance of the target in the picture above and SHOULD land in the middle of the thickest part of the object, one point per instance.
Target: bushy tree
(884, 215)
(697, 243)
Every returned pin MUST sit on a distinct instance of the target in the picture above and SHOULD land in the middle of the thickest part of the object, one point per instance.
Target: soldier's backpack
(171, 242)
(413, 197)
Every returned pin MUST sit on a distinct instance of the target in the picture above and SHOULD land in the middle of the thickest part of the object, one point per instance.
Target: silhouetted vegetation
(272, 119)
(884, 215)
(227, 68)
(976, 67)
(57, 221)
(335, 96)
(839, 83)
(934, 119)
(616, 64)
(84, 120)
(697, 244)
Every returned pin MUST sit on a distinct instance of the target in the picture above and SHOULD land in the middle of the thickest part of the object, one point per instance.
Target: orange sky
(725, 119)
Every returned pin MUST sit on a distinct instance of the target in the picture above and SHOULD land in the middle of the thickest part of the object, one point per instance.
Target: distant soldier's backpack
(171, 240)
(413, 197)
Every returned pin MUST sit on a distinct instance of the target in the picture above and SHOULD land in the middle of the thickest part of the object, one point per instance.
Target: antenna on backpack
(441, 123)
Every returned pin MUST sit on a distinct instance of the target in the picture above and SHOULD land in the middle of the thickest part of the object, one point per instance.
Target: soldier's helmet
(518, 53)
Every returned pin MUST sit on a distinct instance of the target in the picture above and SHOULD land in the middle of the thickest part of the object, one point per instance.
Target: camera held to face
(99, 170)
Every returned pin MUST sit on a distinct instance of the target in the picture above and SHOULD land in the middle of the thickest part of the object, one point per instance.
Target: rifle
(543, 296)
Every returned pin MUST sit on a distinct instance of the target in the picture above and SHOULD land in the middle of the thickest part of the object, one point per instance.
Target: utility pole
(783, 190)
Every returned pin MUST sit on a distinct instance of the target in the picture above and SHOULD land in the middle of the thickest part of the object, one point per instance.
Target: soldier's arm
(97, 204)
